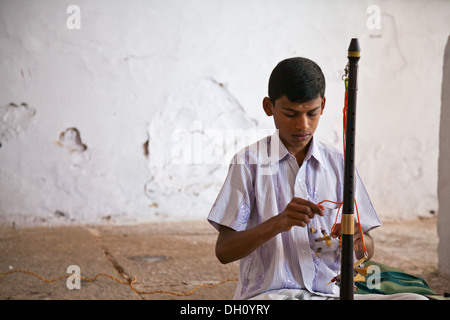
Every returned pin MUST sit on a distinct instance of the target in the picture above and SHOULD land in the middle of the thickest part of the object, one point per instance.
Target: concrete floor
(175, 257)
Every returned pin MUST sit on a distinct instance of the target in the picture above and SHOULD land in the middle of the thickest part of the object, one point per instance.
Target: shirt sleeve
(235, 201)
(366, 211)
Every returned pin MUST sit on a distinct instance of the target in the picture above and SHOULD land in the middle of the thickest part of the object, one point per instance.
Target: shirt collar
(313, 151)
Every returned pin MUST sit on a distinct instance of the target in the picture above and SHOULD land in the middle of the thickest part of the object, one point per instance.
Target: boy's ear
(323, 105)
(268, 106)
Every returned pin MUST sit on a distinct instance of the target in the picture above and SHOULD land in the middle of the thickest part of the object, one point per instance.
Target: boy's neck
(301, 153)
(300, 156)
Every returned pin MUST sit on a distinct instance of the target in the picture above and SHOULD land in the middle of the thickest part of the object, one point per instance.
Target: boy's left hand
(357, 239)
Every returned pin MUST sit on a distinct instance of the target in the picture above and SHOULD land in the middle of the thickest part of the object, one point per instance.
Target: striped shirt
(262, 179)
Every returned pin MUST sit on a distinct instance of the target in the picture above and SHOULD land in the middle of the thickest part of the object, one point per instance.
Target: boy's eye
(290, 115)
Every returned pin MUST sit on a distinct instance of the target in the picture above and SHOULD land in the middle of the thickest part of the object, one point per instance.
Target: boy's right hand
(298, 212)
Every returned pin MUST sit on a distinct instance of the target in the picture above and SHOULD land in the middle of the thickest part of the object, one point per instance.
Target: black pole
(346, 289)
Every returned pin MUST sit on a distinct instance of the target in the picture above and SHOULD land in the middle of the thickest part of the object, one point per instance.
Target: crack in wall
(235, 101)
(396, 41)
(189, 144)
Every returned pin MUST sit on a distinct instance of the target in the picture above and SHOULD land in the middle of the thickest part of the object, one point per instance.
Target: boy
(268, 215)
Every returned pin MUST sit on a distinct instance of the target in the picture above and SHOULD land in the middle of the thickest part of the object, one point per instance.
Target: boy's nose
(302, 123)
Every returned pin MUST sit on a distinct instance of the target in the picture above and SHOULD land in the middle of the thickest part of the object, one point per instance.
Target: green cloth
(392, 281)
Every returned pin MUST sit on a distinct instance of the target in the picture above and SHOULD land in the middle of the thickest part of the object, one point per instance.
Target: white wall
(139, 71)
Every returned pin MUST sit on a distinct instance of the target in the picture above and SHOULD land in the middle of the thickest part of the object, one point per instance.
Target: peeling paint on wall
(14, 119)
(145, 148)
(71, 140)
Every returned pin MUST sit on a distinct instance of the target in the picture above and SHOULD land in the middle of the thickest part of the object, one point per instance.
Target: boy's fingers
(295, 219)
(337, 231)
(302, 209)
(316, 209)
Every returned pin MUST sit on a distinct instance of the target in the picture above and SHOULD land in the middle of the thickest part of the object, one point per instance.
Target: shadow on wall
(444, 170)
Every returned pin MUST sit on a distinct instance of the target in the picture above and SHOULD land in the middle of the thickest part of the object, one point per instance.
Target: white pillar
(444, 170)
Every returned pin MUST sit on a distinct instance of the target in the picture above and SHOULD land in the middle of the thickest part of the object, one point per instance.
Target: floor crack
(98, 240)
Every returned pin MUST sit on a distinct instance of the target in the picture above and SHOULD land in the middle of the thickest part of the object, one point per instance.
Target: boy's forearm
(234, 245)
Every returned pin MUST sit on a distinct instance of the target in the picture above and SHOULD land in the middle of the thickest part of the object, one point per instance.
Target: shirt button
(302, 251)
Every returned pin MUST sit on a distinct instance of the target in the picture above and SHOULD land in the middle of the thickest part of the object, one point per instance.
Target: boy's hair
(300, 79)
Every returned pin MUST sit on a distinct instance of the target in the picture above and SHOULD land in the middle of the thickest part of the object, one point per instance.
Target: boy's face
(295, 121)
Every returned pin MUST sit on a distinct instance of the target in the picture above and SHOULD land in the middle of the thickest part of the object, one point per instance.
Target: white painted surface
(444, 170)
(150, 70)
